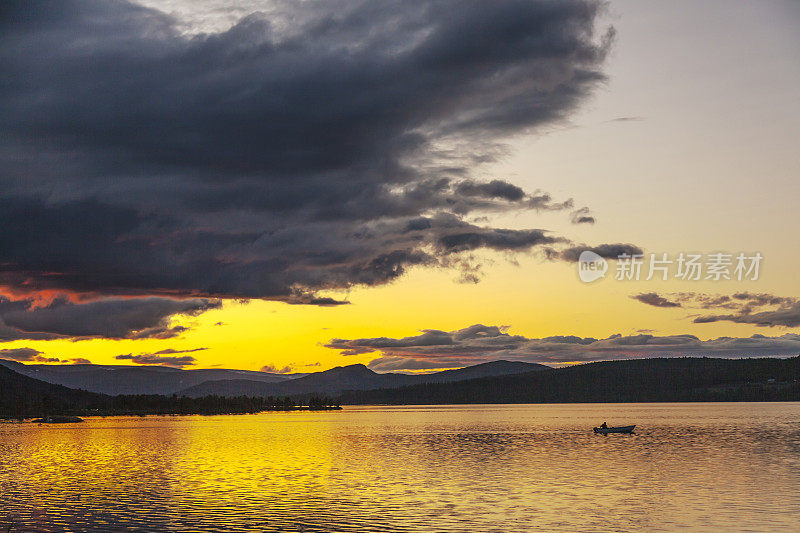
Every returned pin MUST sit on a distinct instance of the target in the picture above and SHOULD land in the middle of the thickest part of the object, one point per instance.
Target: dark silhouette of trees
(684, 379)
(22, 397)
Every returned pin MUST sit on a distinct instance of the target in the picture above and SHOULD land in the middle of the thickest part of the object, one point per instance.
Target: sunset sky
(301, 185)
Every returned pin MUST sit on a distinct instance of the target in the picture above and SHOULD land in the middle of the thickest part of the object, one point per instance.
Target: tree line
(680, 379)
(150, 404)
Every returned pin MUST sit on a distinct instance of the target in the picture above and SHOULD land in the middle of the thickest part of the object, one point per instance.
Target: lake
(473, 468)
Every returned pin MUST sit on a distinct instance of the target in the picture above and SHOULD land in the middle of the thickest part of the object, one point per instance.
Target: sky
(293, 186)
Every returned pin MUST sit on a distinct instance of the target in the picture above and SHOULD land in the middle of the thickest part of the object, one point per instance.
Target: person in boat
(603, 426)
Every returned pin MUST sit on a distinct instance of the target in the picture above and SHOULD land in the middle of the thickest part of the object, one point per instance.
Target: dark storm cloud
(652, 298)
(311, 299)
(479, 343)
(760, 309)
(26, 354)
(329, 146)
(8, 334)
(118, 318)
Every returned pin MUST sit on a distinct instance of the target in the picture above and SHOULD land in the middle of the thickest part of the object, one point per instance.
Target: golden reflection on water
(449, 468)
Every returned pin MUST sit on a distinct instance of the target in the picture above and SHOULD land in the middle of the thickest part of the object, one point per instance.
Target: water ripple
(408, 469)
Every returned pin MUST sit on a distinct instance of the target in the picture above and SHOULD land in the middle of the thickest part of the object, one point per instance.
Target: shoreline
(59, 419)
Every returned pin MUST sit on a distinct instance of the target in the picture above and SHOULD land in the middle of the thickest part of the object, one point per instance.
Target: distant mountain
(353, 377)
(125, 379)
(642, 380)
(493, 368)
(23, 397)
(21, 394)
(119, 379)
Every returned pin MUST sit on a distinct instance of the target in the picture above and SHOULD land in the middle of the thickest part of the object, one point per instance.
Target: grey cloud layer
(330, 146)
(276, 370)
(788, 316)
(606, 251)
(654, 299)
(167, 357)
(478, 343)
(760, 309)
(26, 354)
(153, 359)
(117, 318)
(583, 216)
(32, 355)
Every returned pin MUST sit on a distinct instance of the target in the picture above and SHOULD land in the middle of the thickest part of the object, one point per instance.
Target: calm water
(431, 469)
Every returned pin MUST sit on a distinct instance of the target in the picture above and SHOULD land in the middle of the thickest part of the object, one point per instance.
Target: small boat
(618, 429)
(57, 420)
